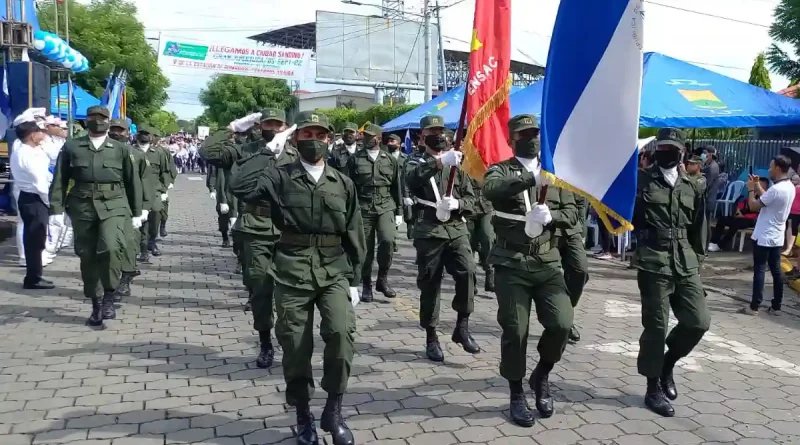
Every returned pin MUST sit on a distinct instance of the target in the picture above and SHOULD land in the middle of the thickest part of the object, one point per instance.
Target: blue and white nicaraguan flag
(590, 110)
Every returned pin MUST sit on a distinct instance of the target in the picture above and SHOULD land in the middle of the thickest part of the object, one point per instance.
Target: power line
(692, 11)
(410, 56)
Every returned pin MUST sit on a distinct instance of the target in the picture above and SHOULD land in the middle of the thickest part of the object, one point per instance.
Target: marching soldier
(173, 169)
(527, 267)
(342, 152)
(377, 179)
(318, 260)
(393, 144)
(441, 236)
(571, 247)
(481, 234)
(119, 131)
(409, 198)
(159, 177)
(211, 150)
(669, 216)
(258, 232)
(105, 198)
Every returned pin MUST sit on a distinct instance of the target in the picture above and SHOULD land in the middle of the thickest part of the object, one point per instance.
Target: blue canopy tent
(81, 101)
(528, 100)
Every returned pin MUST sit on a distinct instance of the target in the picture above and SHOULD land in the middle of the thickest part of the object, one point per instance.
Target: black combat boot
(366, 292)
(154, 249)
(163, 229)
(667, 379)
(226, 242)
(238, 269)
(109, 313)
(488, 284)
(124, 288)
(655, 399)
(144, 256)
(462, 336)
(96, 319)
(382, 285)
(306, 430)
(521, 413)
(267, 353)
(540, 385)
(433, 349)
(332, 421)
(574, 335)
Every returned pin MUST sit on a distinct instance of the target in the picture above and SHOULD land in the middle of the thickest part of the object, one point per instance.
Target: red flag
(488, 88)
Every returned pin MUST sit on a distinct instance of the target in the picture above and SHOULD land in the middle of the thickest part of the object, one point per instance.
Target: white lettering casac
(482, 75)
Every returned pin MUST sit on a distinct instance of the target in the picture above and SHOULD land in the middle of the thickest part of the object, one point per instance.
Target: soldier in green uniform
(159, 177)
(669, 217)
(441, 236)
(694, 171)
(258, 232)
(527, 267)
(571, 247)
(393, 144)
(105, 199)
(377, 178)
(318, 260)
(119, 131)
(173, 169)
(408, 200)
(481, 234)
(343, 151)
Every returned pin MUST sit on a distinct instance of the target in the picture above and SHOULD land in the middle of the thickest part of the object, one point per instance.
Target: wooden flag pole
(451, 180)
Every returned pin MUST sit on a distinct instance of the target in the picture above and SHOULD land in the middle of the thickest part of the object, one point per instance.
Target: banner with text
(178, 54)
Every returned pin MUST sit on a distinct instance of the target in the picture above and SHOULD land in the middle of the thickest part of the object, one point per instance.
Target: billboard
(372, 49)
(177, 54)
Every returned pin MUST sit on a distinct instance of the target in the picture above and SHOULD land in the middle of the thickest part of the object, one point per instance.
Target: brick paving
(177, 366)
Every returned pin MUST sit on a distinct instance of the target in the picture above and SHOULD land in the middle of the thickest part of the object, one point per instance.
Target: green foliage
(759, 75)
(378, 114)
(228, 97)
(703, 133)
(785, 29)
(165, 121)
(109, 35)
(204, 121)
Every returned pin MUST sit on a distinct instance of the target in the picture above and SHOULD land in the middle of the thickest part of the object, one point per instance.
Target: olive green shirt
(339, 156)
(377, 182)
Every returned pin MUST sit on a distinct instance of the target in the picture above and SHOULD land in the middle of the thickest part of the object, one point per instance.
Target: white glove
(398, 220)
(540, 213)
(354, 297)
(451, 203)
(145, 214)
(408, 202)
(280, 139)
(245, 123)
(213, 195)
(233, 222)
(170, 186)
(56, 220)
(532, 228)
(223, 208)
(164, 197)
(452, 158)
(137, 222)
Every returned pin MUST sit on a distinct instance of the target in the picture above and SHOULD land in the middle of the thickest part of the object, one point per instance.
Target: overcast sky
(685, 29)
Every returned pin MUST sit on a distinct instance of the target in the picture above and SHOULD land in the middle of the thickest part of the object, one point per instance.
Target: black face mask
(370, 144)
(436, 142)
(267, 135)
(98, 126)
(393, 148)
(118, 137)
(312, 150)
(527, 148)
(349, 139)
(667, 158)
(143, 138)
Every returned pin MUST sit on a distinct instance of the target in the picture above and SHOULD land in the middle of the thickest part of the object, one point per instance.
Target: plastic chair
(742, 234)
(731, 195)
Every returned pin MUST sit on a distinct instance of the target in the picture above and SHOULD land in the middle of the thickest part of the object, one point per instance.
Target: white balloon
(38, 44)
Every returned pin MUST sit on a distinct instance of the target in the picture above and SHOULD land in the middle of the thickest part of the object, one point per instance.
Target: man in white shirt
(774, 206)
(30, 167)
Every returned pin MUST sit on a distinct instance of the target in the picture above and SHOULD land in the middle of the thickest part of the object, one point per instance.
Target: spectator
(773, 206)
(794, 218)
(711, 172)
(727, 226)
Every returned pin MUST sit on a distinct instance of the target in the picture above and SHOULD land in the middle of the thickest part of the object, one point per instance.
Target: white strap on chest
(526, 196)
(435, 188)
(425, 203)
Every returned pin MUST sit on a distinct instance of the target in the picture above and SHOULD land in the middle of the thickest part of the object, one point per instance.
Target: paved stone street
(177, 366)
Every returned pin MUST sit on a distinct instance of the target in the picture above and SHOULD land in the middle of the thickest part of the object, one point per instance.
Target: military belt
(96, 187)
(663, 234)
(509, 216)
(526, 249)
(258, 210)
(310, 239)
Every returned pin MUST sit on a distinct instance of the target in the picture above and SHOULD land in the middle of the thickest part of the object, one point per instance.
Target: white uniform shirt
(30, 167)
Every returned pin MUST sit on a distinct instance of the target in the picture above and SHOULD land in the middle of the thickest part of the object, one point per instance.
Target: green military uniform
(164, 213)
(258, 232)
(160, 176)
(669, 218)
(107, 192)
(318, 259)
(571, 247)
(698, 178)
(442, 245)
(481, 234)
(378, 186)
(402, 160)
(219, 150)
(528, 273)
(342, 152)
(411, 213)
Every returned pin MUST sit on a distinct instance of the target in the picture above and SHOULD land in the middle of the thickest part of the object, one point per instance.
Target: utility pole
(428, 53)
(442, 71)
(69, 74)
(58, 73)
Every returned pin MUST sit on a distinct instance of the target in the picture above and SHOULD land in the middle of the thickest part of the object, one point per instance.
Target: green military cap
(695, 159)
(98, 109)
(350, 126)
(431, 122)
(522, 122)
(372, 129)
(395, 137)
(144, 128)
(450, 133)
(307, 119)
(671, 136)
(273, 114)
(121, 123)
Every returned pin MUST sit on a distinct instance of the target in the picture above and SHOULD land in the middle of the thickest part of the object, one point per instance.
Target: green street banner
(181, 54)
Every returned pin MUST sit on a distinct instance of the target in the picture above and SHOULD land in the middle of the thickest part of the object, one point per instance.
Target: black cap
(671, 136)
(395, 137)
(98, 109)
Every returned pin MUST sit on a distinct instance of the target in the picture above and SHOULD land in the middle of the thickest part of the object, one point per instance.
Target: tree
(228, 97)
(785, 29)
(204, 121)
(378, 114)
(109, 35)
(165, 121)
(759, 75)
